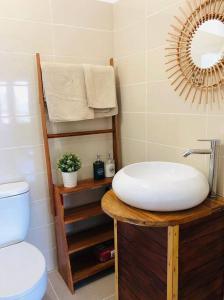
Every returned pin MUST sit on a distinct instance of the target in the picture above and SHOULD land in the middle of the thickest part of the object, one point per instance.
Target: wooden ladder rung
(78, 133)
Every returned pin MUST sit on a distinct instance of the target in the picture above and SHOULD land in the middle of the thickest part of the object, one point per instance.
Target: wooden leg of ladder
(64, 264)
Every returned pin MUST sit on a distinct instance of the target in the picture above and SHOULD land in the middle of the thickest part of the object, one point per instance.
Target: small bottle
(98, 169)
(110, 167)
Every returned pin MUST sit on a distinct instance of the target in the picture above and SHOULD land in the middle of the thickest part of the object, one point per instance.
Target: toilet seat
(22, 273)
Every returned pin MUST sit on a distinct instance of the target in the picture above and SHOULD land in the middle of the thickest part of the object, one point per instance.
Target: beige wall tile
(131, 69)
(216, 108)
(15, 67)
(40, 214)
(163, 99)
(38, 187)
(19, 36)
(81, 60)
(18, 100)
(84, 13)
(133, 125)
(161, 22)
(132, 151)
(51, 258)
(216, 127)
(21, 161)
(20, 131)
(177, 130)
(70, 41)
(42, 237)
(129, 40)
(220, 176)
(156, 65)
(133, 98)
(159, 5)
(35, 10)
(127, 12)
(157, 152)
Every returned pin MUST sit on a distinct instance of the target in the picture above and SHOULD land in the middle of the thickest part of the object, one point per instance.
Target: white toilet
(23, 273)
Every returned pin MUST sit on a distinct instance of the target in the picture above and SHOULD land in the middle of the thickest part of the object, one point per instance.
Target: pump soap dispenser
(98, 169)
(110, 167)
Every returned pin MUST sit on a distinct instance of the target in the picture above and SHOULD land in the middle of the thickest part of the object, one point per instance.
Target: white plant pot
(69, 179)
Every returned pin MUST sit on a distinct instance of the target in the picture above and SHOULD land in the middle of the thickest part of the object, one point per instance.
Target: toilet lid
(21, 267)
(13, 189)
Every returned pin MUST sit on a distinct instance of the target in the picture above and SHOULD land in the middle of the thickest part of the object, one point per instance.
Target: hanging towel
(100, 87)
(105, 113)
(65, 92)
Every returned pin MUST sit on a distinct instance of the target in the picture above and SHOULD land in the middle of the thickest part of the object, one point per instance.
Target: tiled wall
(156, 123)
(64, 31)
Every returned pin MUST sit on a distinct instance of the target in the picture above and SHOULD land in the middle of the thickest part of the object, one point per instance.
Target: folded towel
(65, 92)
(105, 113)
(100, 86)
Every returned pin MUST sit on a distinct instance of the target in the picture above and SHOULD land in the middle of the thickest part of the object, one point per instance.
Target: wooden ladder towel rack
(74, 270)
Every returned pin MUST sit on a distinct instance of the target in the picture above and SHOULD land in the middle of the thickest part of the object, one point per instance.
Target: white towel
(105, 113)
(100, 87)
(65, 92)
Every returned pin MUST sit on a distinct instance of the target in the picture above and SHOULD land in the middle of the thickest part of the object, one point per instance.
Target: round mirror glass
(207, 47)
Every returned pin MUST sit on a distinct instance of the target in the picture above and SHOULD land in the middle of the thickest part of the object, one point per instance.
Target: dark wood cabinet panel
(201, 259)
(142, 262)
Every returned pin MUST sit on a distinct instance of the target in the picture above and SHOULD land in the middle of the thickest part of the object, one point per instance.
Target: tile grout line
(204, 115)
(108, 297)
(56, 24)
(52, 27)
(41, 227)
(146, 79)
(164, 9)
(52, 287)
(50, 55)
(129, 26)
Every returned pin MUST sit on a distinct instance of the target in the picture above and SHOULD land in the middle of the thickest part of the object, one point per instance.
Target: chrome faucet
(212, 180)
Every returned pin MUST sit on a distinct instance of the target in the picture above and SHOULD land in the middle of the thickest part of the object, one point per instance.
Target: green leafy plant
(69, 163)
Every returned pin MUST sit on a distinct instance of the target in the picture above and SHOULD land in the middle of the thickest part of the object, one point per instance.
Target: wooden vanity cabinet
(170, 256)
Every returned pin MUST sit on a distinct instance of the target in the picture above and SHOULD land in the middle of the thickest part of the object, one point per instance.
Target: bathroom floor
(100, 289)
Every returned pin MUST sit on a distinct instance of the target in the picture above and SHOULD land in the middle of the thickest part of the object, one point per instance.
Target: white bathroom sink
(160, 186)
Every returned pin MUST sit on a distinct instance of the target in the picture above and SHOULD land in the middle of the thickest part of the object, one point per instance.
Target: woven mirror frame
(192, 82)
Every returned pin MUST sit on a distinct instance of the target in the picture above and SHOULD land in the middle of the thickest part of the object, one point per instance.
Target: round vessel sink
(160, 186)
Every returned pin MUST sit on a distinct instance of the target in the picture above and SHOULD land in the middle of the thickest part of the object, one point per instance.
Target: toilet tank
(14, 212)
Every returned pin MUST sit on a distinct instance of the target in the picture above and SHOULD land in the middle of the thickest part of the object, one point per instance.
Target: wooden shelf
(87, 265)
(88, 238)
(87, 184)
(84, 212)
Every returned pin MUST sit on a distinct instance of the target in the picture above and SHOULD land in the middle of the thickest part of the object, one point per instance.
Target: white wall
(64, 31)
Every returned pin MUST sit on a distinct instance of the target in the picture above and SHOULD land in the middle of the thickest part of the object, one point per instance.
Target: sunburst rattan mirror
(195, 55)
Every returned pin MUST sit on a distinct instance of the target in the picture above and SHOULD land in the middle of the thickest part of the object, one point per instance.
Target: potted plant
(69, 164)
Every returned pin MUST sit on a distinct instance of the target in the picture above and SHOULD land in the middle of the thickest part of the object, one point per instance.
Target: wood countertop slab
(120, 211)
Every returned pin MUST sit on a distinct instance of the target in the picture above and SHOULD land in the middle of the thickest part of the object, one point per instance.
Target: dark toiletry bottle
(98, 169)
